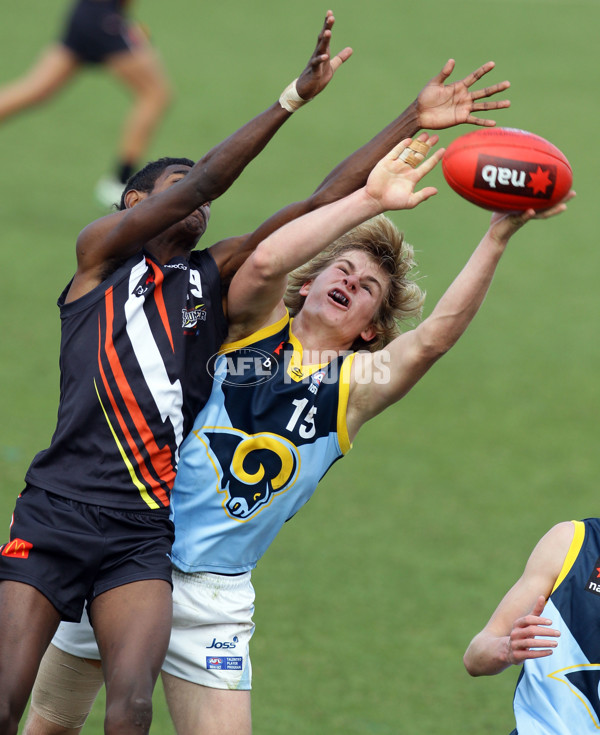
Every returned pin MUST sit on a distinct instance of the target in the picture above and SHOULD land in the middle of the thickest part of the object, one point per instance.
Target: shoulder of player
(226, 254)
(551, 550)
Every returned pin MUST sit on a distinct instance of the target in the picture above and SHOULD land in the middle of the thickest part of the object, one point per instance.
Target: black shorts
(96, 29)
(71, 551)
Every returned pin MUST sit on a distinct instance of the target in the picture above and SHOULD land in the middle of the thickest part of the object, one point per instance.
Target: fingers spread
(447, 69)
(478, 73)
(339, 59)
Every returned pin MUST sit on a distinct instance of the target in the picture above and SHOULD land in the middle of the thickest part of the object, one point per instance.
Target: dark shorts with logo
(71, 551)
(95, 30)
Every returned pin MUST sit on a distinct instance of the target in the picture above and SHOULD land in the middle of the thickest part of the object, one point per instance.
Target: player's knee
(9, 719)
(162, 97)
(130, 714)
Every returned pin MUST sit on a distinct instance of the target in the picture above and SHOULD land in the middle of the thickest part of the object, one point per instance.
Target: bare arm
(121, 234)
(408, 357)
(512, 635)
(438, 105)
(256, 291)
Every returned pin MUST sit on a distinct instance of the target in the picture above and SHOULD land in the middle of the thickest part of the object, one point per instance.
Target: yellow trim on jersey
(344, 394)
(295, 369)
(134, 479)
(573, 552)
(563, 679)
(261, 334)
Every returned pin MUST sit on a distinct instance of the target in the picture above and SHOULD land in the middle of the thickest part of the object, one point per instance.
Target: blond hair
(382, 241)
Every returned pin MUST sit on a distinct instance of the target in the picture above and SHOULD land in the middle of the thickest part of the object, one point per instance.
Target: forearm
(352, 172)
(216, 171)
(487, 654)
(456, 309)
(301, 239)
(348, 176)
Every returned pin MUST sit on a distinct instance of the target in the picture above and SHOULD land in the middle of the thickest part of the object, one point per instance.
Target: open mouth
(339, 298)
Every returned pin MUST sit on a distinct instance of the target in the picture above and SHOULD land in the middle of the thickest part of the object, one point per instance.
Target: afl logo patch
(245, 367)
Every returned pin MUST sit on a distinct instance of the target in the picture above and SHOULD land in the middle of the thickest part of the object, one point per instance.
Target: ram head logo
(254, 469)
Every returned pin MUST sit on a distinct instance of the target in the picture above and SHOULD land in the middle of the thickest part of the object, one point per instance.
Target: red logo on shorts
(17, 548)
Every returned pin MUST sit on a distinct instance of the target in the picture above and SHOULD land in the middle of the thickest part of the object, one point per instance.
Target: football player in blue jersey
(255, 456)
(547, 623)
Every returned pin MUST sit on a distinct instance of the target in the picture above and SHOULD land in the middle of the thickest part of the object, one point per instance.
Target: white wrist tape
(290, 100)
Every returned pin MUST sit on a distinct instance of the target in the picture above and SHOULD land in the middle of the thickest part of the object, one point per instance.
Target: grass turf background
(367, 599)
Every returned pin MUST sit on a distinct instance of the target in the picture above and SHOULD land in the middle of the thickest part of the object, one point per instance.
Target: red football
(506, 169)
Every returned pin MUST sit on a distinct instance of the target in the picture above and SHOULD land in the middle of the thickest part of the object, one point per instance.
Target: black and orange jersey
(133, 360)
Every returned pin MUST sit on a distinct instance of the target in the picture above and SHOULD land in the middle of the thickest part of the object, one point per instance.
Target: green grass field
(367, 600)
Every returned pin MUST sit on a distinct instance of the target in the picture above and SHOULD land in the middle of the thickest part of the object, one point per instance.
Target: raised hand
(504, 224)
(441, 105)
(321, 67)
(392, 182)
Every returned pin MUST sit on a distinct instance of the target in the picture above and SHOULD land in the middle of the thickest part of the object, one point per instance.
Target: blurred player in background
(548, 623)
(271, 429)
(100, 32)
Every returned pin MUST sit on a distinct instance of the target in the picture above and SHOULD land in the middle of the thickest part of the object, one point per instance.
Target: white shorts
(210, 639)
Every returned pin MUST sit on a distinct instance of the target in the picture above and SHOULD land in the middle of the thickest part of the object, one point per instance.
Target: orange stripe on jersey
(132, 445)
(160, 300)
(160, 458)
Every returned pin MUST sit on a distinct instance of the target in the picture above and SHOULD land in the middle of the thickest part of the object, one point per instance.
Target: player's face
(196, 222)
(347, 294)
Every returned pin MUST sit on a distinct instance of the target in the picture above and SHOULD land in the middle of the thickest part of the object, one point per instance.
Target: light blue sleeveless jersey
(559, 694)
(268, 433)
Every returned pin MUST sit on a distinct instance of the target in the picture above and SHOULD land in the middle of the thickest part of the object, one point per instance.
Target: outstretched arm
(121, 234)
(409, 356)
(438, 105)
(517, 630)
(256, 291)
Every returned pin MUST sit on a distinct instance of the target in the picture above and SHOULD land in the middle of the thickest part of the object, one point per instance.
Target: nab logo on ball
(507, 170)
(515, 177)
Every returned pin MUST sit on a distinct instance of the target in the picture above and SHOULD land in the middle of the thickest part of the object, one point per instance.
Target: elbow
(468, 664)
(210, 178)
(263, 266)
(432, 350)
(207, 187)
(315, 201)
(436, 342)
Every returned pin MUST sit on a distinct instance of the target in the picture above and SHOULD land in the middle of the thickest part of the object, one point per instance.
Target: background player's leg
(142, 72)
(54, 68)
